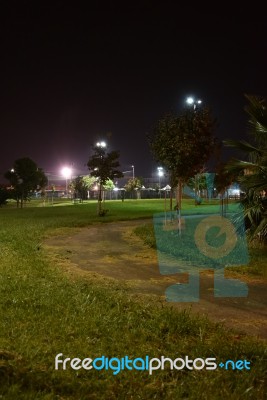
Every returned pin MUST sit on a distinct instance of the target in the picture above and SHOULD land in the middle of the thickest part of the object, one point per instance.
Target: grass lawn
(45, 312)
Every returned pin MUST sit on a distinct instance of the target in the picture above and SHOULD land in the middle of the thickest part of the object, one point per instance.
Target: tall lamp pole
(66, 172)
(160, 174)
(195, 103)
(101, 145)
(133, 170)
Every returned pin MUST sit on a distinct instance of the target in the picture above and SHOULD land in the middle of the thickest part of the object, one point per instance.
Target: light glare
(66, 172)
(101, 144)
(190, 100)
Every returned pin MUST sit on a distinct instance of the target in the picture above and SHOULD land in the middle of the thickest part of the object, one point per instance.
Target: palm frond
(252, 174)
(242, 145)
(261, 229)
(256, 110)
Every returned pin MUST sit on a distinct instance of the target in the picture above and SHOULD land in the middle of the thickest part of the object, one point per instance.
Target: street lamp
(195, 103)
(101, 153)
(160, 174)
(192, 102)
(101, 144)
(126, 172)
(66, 172)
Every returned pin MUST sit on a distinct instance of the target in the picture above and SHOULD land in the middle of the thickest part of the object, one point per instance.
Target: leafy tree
(109, 185)
(182, 144)
(222, 180)
(223, 177)
(104, 166)
(82, 184)
(88, 181)
(253, 168)
(133, 184)
(25, 177)
(198, 183)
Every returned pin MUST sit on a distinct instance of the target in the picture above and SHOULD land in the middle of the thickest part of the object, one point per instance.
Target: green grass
(45, 312)
(257, 266)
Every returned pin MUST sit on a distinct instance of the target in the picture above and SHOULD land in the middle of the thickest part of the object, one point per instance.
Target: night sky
(76, 72)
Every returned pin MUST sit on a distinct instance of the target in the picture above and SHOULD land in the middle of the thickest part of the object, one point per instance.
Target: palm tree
(253, 170)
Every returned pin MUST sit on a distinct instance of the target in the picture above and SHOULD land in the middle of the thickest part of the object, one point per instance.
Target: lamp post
(66, 172)
(125, 172)
(160, 174)
(192, 102)
(101, 153)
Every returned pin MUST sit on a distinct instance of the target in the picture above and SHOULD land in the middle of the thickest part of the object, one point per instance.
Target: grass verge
(256, 268)
(44, 312)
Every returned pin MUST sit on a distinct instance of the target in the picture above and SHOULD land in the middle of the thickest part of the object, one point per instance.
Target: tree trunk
(179, 204)
(171, 194)
(100, 200)
(21, 200)
(197, 190)
(179, 195)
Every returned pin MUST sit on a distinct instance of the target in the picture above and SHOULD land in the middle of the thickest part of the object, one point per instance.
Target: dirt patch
(112, 250)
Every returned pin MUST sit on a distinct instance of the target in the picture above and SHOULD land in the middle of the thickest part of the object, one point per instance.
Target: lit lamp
(101, 144)
(160, 174)
(66, 172)
(133, 170)
(192, 102)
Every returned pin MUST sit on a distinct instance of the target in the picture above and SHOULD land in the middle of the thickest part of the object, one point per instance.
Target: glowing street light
(101, 144)
(191, 101)
(133, 170)
(66, 172)
(160, 174)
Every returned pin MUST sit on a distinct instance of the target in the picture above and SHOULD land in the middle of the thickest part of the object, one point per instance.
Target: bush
(4, 195)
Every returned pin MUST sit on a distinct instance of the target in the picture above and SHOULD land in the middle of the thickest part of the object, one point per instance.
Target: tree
(104, 166)
(182, 144)
(108, 186)
(133, 184)
(252, 169)
(223, 178)
(25, 177)
(198, 183)
(82, 184)
(4, 195)
(53, 189)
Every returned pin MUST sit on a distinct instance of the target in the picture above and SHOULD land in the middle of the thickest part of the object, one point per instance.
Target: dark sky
(76, 72)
